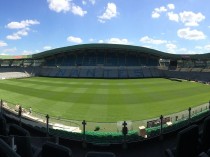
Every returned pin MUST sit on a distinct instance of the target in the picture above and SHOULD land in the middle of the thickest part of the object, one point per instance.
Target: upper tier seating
(102, 59)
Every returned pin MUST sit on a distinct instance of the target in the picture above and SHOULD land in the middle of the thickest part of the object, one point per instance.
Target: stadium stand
(187, 143)
(146, 72)
(135, 72)
(99, 72)
(22, 140)
(9, 73)
(60, 72)
(132, 60)
(121, 59)
(50, 149)
(122, 72)
(6, 150)
(53, 72)
(75, 72)
(155, 72)
(110, 72)
(194, 76)
(107, 61)
(111, 59)
(87, 72)
(204, 135)
(3, 127)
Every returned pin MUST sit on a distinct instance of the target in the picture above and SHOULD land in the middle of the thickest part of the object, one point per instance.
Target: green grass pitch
(104, 100)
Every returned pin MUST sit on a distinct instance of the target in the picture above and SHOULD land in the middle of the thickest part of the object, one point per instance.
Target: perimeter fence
(105, 133)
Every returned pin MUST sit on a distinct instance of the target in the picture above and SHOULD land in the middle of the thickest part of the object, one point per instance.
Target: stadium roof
(125, 48)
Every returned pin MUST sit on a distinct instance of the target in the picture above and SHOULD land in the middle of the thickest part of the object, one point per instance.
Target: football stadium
(105, 94)
(104, 78)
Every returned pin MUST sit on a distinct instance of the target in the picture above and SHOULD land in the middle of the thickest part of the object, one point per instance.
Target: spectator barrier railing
(105, 133)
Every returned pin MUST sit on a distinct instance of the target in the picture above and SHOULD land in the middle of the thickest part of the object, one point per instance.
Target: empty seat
(17, 130)
(50, 149)
(3, 130)
(203, 154)
(99, 154)
(6, 150)
(187, 143)
(205, 135)
(22, 140)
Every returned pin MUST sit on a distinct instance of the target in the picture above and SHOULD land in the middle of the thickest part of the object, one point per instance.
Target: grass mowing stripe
(104, 100)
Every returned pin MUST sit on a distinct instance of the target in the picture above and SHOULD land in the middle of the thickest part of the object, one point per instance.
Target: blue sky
(173, 26)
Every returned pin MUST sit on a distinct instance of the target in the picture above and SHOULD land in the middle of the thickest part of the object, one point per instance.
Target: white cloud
(110, 12)
(189, 34)
(74, 39)
(91, 40)
(182, 49)
(149, 40)
(171, 48)
(23, 28)
(190, 18)
(173, 17)
(59, 5)
(65, 6)
(13, 37)
(161, 9)
(27, 52)
(207, 47)
(77, 10)
(191, 52)
(118, 41)
(101, 41)
(3, 54)
(22, 24)
(203, 48)
(171, 6)
(3, 44)
(47, 47)
(123, 41)
(10, 50)
(155, 15)
(23, 32)
(157, 11)
(199, 47)
(18, 35)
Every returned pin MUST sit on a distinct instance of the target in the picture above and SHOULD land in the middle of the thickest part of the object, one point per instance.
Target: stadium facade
(108, 61)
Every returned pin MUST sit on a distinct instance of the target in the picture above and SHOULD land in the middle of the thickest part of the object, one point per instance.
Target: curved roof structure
(114, 47)
(125, 48)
